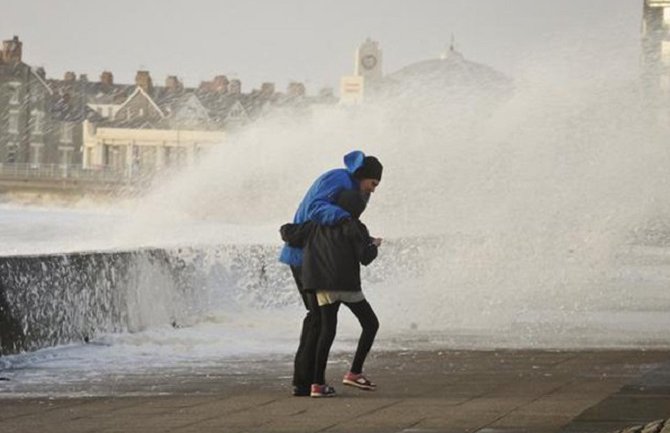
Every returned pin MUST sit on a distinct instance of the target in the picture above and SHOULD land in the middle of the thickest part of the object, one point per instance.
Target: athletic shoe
(322, 391)
(359, 381)
(301, 390)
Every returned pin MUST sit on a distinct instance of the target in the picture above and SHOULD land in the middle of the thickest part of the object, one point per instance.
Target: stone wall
(56, 299)
(61, 298)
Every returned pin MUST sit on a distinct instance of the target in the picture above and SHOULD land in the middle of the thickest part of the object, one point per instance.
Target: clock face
(369, 61)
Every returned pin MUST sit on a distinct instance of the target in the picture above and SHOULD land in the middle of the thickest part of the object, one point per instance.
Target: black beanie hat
(371, 169)
(352, 201)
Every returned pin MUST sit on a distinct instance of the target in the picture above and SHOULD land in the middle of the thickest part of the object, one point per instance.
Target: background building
(432, 81)
(76, 124)
(367, 76)
(30, 127)
(656, 45)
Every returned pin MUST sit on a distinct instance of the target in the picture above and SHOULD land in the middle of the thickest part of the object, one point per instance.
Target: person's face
(368, 186)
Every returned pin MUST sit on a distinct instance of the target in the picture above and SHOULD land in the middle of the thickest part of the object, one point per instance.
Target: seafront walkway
(434, 391)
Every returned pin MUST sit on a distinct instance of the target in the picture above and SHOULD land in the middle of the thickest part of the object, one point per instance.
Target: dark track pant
(303, 367)
(369, 324)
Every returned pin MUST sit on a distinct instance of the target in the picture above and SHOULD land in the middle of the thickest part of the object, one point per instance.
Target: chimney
(11, 50)
(172, 84)
(69, 76)
(326, 92)
(235, 87)
(220, 84)
(296, 89)
(107, 78)
(143, 80)
(267, 89)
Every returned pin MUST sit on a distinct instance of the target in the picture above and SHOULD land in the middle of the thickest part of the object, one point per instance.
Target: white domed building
(445, 75)
(449, 78)
(445, 80)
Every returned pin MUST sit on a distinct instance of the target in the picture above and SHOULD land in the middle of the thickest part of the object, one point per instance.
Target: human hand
(376, 241)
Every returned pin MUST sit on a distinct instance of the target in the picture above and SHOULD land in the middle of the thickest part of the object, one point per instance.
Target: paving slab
(446, 391)
(644, 398)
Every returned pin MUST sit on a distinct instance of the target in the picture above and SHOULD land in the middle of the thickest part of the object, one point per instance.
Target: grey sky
(306, 40)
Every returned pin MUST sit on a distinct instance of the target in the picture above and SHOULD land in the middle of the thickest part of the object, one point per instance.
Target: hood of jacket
(354, 160)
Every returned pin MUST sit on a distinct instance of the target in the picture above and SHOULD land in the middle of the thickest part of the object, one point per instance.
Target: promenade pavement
(503, 391)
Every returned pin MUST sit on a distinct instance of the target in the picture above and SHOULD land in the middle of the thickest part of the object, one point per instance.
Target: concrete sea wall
(55, 299)
(48, 300)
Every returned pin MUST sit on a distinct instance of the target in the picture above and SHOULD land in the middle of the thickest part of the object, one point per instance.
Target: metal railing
(68, 172)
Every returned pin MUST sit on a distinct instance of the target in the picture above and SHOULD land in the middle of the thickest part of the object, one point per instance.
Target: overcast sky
(312, 41)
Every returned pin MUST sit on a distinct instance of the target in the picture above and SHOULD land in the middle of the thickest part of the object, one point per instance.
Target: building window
(665, 52)
(35, 154)
(180, 156)
(35, 96)
(665, 83)
(66, 133)
(12, 151)
(88, 157)
(65, 156)
(14, 93)
(37, 122)
(167, 155)
(13, 126)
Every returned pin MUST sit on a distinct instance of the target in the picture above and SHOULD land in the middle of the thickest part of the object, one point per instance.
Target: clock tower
(369, 61)
(367, 74)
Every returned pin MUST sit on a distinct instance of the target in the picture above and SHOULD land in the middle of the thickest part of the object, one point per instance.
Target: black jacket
(332, 254)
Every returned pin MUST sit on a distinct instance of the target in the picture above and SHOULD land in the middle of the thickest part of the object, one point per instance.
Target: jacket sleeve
(365, 250)
(323, 209)
(295, 235)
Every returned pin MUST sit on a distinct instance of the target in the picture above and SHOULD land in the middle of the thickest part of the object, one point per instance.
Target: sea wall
(55, 299)
(47, 300)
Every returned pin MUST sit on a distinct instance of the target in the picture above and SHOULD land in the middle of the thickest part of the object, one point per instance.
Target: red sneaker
(359, 381)
(322, 391)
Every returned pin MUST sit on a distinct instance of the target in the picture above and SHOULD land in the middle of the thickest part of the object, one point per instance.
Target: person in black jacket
(331, 269)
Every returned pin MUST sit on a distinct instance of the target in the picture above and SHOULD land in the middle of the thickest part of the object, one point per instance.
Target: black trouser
(303, 366)
(368, 320)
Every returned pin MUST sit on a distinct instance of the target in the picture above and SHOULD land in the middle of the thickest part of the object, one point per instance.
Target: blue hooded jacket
(319, 202)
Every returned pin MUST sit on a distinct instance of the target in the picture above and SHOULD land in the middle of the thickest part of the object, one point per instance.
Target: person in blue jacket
(361, 173)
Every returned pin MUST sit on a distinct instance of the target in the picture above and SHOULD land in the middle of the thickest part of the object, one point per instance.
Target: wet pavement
(446, 391)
